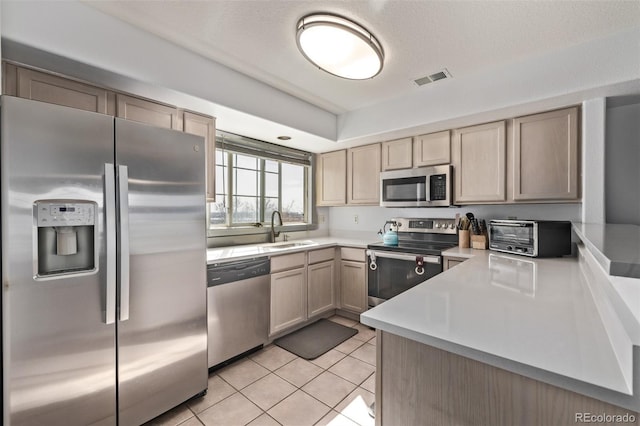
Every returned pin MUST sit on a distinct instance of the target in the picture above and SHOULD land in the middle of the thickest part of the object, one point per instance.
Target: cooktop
(422, 236)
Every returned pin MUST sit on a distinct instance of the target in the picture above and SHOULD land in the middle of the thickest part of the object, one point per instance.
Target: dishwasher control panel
(228, 272)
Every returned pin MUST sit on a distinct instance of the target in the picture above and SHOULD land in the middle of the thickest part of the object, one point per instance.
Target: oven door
(391, 273)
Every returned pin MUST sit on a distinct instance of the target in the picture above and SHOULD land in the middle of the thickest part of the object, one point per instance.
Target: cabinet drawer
(316, 256)
(354, 254)
(288, 261)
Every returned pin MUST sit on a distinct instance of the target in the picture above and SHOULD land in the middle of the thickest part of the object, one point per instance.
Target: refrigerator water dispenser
(65, 237)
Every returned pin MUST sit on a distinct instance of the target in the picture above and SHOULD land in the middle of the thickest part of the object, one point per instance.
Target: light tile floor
(276, 387)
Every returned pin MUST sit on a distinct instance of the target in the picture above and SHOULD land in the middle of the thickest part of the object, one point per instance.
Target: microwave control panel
(438, 187)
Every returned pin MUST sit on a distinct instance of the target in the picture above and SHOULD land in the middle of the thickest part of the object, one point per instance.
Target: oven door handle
(404, 256)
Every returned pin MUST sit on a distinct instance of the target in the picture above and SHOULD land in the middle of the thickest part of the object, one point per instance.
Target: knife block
(479, 242)
(463, 238)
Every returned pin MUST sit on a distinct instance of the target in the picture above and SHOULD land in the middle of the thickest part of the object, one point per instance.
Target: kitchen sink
(282, 246)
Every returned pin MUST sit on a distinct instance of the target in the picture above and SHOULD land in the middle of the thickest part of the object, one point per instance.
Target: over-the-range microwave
(419, 187)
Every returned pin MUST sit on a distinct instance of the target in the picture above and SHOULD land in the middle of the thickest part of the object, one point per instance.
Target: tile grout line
(287, 396)
(322, 370)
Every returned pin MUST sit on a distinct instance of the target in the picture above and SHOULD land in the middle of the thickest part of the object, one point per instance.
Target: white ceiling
(257, 38)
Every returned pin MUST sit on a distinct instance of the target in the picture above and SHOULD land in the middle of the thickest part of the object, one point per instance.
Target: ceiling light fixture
(339, 46)
(284, 138)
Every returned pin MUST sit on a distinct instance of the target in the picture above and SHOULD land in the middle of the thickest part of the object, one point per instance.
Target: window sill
(261, 230)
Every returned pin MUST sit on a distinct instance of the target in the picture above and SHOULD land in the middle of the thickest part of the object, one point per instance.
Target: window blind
(257, 148)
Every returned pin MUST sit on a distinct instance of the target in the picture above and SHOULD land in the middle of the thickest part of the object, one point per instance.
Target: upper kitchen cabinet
(331, 179)
(397, 154)
(38, 86)
(432, 149)
(479, 160)
(148, 112)
(424, 150)
(205, 126)
(363, 175)
(545, 156)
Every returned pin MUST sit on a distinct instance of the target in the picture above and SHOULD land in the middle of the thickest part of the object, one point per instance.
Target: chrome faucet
(275, 234)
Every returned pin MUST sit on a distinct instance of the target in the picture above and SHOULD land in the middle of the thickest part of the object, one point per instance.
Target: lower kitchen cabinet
(353, 279)
(353, 286)
(288, 299)
(451, 261)
(320, 288)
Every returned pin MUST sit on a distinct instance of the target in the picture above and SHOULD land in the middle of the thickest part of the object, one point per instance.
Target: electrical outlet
(355, 218)
(322, 218)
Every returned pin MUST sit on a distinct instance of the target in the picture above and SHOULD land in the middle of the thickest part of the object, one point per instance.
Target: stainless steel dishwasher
(237, 307)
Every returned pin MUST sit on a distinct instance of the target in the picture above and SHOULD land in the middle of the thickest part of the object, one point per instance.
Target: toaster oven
(534, 238)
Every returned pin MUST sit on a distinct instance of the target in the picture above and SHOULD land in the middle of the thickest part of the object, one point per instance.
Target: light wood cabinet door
(545, 156)
(355, 254)
(320, 288)
(397, 154)
(331, 179)
(432, 149)
(205, 126)
(363, 175)
(148, 112)
(479, 161)
(353, 286)
(9, 77)
(57, 90)
(321, 255)
(288, 299)
(450, 261)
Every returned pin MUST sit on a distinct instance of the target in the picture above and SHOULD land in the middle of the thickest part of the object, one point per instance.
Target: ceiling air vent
(433, 77)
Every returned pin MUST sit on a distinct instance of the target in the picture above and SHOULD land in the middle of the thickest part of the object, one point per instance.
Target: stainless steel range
(416, 258)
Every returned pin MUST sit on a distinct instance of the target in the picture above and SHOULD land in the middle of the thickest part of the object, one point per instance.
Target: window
(250, 187)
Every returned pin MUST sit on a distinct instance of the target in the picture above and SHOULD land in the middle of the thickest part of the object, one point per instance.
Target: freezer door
(58, 354)
(162, 327)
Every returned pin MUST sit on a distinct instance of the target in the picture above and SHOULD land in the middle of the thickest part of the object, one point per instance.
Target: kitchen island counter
(534, 317)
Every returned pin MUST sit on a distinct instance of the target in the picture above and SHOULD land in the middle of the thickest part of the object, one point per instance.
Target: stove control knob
(452, 226)
(437, 225)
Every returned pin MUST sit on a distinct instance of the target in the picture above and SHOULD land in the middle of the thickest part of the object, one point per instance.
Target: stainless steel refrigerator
(103, 267)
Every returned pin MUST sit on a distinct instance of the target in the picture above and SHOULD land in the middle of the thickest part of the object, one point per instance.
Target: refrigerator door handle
(123, 217)
(110, 224)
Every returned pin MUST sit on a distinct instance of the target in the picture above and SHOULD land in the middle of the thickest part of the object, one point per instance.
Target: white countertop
(535, 317)
(465, 253)
(232, 253)
(616, 247)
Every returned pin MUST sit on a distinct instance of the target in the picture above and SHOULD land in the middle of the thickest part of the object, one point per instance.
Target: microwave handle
(427, 189)
(427, 195)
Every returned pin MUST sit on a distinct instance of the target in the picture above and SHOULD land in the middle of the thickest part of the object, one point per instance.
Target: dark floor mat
(315, 339)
